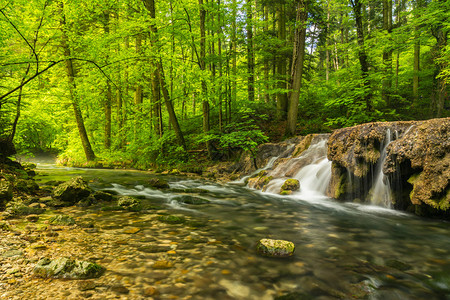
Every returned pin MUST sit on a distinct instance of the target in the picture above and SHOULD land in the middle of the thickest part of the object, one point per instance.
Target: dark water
(343, 251)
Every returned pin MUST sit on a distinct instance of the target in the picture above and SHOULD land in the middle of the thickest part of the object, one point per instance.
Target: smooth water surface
(343, 250)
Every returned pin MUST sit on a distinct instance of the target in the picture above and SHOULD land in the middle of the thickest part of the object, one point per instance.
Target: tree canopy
(151, 81)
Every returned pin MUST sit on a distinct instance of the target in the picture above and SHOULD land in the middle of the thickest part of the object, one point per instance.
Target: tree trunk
(250, 53)
(108, 99)
(297, 66)
(159, 76)
(362, 56)
(387, 53)
(71, 74)
(206, 121)
(282, 97)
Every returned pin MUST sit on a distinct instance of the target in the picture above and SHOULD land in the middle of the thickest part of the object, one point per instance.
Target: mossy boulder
(289, 186)
(72, 191)
(275, 248)
(67, 268)
(103, 196)
(25, 186)
(158, 183)
(129, 203)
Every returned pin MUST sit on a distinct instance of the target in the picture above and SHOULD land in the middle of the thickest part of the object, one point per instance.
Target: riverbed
(343, 250)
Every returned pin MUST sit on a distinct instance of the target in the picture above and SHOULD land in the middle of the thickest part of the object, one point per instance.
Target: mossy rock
(171, 219)
(275, 248)
(61, 220)
(103, 196)
(67, 268)
(26, 185)
(291, 184)
(17, 209)
(158, 183)
(72, 191)
(129, 203)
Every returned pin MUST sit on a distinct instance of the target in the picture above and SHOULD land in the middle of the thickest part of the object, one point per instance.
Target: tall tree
(71, 75)
(298, 58)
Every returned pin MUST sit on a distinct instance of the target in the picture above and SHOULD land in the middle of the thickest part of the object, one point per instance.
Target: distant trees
(222, 70)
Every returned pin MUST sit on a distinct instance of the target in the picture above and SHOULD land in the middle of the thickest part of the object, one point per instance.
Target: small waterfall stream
(381, 192)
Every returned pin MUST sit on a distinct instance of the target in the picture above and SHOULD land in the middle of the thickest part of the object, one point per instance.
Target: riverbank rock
(289, 186)
(72, 191)
(67, 268)
(275, 248)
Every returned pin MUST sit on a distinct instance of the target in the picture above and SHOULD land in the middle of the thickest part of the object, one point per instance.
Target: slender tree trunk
(327, 44)
(250, 53)
(219, 49)
(108, 99)
(159, 75)
(282, 97)
(363, 60)
(205, 103)
(387, 53)
(297, 66)
(71, 74)
(234, 57)
(266, 61)
(416, 67)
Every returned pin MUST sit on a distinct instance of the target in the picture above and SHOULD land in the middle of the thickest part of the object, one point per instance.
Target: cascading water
(312, 169)
(381, 191)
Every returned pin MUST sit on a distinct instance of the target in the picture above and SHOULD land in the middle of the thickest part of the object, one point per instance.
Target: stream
(343, 250)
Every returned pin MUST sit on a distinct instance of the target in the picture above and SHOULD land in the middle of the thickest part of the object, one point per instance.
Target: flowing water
(343, 250)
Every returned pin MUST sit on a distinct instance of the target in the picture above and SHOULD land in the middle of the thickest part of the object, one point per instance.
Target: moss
(171, 219)
(290, 185)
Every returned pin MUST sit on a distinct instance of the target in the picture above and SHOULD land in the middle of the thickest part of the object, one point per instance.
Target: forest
(154, 83)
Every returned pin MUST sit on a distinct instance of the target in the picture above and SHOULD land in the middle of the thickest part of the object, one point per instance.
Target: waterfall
(380, 193)
(312, 169)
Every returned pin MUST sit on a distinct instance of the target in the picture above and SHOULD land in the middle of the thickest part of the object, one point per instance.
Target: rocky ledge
(416, 163)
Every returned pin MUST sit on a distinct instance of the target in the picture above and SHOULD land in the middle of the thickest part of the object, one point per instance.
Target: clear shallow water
(343, 250)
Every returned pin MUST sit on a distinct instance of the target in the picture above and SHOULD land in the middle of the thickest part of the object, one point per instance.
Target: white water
(312, 169)
(381, 191)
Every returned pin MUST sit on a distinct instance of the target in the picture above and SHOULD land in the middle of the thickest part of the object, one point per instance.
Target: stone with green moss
(158, 183)
(275, 248)
(62, 220)
(291, 184)
(171, 219)
(67, 268)
(72, 191)
(129, 203)
(6, 195)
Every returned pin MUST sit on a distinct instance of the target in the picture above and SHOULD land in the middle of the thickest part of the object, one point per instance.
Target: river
(343, 250)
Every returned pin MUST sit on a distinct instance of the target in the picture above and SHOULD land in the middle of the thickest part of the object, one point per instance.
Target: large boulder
(72, 191)
(67, 268)
(158, 183)
(275, 248)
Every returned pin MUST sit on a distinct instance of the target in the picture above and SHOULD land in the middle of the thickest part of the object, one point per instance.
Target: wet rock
(12, 253)
(397, 264)
(289, 186)
(72, 191)
(129, 203)
(154, 248)
(120, 289)
(103, 196)
(162, 264)
(158, 183)
(63, 220)
(17, 209)
(275, 248)
(171, 219)
(294, 296)
(32, 218)
(67, 268)
(187, 199)
(259, 182)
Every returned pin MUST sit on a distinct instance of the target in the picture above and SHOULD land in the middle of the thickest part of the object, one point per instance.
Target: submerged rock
(72, 191)
(129, 203)
(158, 183)
(275, 248)
(188, 199)
(67, 268)
(61, 220)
